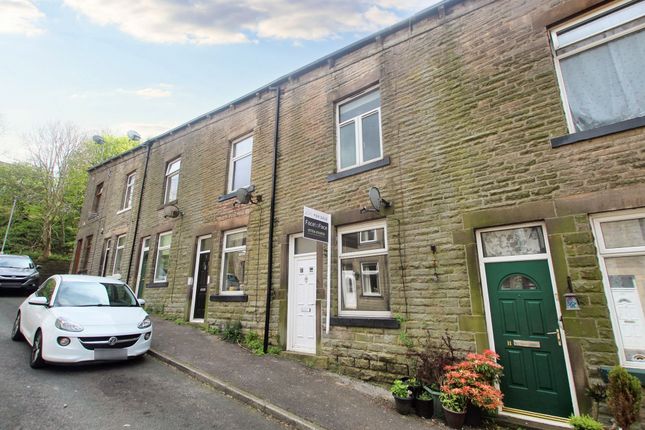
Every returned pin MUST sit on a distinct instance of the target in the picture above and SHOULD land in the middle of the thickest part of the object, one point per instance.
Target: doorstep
(314, 361)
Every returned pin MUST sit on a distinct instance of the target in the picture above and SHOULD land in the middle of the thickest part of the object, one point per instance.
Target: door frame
(198, 252)
(531, 416)
(291, 297)
(142, 250)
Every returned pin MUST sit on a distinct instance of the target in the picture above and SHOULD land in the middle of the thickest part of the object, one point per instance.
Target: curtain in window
(605, 84)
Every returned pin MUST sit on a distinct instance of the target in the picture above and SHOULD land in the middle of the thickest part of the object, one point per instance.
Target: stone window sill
(385, 161)
(157, 285)
(606, 130)
(365, 322)
(229, 298)
(639, 373)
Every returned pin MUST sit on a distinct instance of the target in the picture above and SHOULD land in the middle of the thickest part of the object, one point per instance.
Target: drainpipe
(136, 222)
(272, 218)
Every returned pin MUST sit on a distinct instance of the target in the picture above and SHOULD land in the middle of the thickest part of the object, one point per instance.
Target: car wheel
(37, 351)
(15, 330)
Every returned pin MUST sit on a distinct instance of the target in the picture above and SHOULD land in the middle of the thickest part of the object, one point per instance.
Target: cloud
(20, 17)
(212, 22)
(159, 91)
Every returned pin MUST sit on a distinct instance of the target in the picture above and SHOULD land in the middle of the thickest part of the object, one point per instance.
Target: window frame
(376, 272)
(354, 228)
(128, 192)
(155, 279)
(555, 46)
(233, 159)
(168, 178)
(118, 254)
(98, 196)
(226, 250)
(604, 252)
(107, 250)
(358, 131)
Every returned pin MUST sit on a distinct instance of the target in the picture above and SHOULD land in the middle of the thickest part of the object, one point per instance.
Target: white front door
(302, 303)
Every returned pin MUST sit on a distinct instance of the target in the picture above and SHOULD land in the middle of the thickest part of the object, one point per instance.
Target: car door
(32, 315)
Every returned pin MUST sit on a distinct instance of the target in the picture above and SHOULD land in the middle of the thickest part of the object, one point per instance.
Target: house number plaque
(526, 343)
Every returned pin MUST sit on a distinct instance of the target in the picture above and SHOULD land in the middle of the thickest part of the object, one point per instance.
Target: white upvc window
(118, 254)
(620, 240)
(600, 57)
(172, 180)
(128, 193)
(362, 270)
(359, 130)
(233, 262)
(162, 261)
(240, 165)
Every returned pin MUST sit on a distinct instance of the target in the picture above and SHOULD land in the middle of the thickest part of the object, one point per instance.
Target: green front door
(525, 329)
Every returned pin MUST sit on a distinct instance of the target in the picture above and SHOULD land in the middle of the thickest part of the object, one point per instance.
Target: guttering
(406, 23)
(136, 221)
(276, 133)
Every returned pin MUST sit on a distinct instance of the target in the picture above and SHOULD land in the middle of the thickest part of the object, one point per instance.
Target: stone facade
(469, 104)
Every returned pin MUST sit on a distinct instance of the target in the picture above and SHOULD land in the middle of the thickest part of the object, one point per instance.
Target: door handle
(557, 334)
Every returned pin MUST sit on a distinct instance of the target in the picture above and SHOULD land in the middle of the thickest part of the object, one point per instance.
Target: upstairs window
(128, 192)
(600, 59)
(240, 167)
(98, 193)
(172, 181)
(359, 130)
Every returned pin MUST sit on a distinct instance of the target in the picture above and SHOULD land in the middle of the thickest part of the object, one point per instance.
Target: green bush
(584, 422)
(400, 389)
(252, 341)
(624, 397)
(232, 332)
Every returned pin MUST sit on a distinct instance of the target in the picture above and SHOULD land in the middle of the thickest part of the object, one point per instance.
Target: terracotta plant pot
(404, 406)
(454, 420)
(436, 404)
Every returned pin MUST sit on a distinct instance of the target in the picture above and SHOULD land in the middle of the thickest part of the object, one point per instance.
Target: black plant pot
(436, 404)
(404, 406)
(454, 420)
(424, 408)
(474, 415)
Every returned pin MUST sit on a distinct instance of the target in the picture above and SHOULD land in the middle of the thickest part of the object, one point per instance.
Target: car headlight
(145, 323)
(67, 325)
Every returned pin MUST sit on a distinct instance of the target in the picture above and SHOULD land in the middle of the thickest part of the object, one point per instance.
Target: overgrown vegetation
(585, 422)
(232, 332)
(50, 189)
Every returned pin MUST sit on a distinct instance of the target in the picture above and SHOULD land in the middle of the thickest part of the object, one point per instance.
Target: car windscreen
(16, 262)
(72, 293)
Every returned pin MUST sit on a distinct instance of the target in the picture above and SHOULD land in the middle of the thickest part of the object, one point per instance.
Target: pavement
(300, 396)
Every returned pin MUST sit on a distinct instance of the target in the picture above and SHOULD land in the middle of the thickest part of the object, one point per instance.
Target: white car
(77, 318)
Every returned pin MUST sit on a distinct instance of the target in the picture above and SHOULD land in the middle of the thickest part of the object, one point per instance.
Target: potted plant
(431, 364)
(473, 379)
(402, 399)
(454, 408)
(624, 397)
(423, 403)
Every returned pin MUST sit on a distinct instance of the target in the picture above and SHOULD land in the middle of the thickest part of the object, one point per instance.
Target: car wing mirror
(39, 267)
(141, 302)
(39, 301)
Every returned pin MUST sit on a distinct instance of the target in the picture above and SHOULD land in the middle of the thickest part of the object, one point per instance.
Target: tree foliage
(50, 188)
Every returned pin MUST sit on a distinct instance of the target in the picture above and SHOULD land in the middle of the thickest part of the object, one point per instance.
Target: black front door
(202, 285)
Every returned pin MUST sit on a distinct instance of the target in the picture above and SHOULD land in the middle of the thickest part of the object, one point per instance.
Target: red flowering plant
(472, 381)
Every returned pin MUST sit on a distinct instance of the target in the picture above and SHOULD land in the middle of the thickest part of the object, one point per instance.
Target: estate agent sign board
(315, 225)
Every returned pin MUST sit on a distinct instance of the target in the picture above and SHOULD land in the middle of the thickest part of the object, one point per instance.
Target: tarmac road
(144, 394)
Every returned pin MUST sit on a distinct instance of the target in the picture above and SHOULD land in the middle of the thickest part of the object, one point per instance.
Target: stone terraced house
(507, 140)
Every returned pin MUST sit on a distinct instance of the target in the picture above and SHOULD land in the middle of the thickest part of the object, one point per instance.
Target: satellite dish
(171, 211)
(378, 203)
(98, 139)
(243, 196)
(133, 135)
